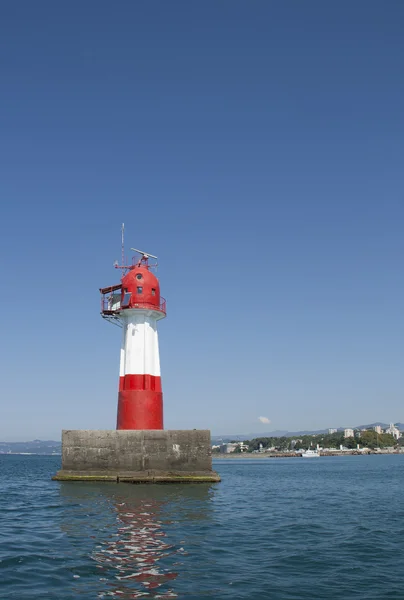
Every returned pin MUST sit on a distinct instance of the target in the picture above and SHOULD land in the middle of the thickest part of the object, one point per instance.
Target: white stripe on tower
(140, 349)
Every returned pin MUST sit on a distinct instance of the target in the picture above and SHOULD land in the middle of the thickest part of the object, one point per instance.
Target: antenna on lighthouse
(123, 242)
(145, 255)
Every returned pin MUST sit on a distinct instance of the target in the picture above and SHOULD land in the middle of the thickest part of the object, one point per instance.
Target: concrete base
(157, 456)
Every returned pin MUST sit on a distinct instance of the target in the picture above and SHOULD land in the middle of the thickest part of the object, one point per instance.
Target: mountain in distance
(51, 447)
(35, 447)
(281, 433)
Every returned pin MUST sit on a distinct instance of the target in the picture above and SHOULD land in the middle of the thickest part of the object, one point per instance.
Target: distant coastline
(30, 454)
(34, 447)
(250, 455)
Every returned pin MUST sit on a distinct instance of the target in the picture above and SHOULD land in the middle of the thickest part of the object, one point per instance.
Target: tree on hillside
(369, 439)
(350, 443)
(372, 439)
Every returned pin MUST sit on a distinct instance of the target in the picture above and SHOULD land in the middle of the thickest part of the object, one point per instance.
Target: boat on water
(310, 454)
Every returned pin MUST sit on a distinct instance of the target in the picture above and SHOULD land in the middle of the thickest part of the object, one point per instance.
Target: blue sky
(257, 149)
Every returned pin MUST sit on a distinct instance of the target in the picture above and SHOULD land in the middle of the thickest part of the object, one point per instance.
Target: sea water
(329, 528)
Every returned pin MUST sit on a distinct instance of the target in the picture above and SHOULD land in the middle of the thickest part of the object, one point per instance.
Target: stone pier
(156, 456)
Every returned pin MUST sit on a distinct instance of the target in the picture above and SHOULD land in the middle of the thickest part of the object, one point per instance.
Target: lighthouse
(136, 305)
(139, 450)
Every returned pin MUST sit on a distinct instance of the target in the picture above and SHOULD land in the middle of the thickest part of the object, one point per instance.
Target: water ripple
(274, 530)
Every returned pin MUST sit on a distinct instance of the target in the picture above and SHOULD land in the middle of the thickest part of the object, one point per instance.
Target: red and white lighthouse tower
(136, 305)
(139, 451)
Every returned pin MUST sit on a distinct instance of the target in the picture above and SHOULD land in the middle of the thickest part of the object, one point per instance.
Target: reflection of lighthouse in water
(135, 554)
(133, 538)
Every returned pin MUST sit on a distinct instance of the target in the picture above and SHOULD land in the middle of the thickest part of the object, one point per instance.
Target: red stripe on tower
(140, 382)
(140, 409)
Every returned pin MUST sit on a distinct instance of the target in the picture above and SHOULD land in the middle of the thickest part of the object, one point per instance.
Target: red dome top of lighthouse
(141, 289)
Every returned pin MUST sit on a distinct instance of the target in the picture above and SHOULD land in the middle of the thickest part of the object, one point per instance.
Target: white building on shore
(392, 430)
(348, 433)
(232, 447)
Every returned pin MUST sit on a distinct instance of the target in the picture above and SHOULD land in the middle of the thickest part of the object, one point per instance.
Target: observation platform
(113, 303)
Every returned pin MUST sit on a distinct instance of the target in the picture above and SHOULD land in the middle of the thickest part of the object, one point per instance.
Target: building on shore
(392, 430)
(331, 431)
(378, 429)
(348, 433)
(227, 448)
(232, 447)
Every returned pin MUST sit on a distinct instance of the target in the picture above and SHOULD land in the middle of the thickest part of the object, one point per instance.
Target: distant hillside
(52, 447)
(280, 433)
(34, 447)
